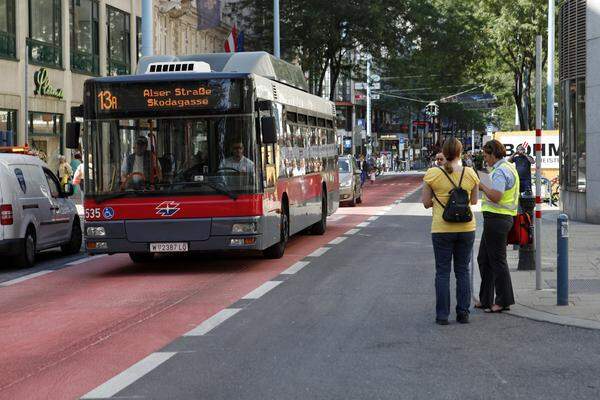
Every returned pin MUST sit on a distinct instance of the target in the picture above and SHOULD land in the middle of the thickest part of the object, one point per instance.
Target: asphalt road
(348, 315)
(358, 323)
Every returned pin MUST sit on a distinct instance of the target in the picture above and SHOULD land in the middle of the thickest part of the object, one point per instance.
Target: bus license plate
(168, 247)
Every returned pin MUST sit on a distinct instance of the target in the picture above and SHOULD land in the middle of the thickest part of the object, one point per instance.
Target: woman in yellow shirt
(451, 240)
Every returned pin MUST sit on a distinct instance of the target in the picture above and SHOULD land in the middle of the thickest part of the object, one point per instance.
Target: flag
(231, 43)
(209, 14)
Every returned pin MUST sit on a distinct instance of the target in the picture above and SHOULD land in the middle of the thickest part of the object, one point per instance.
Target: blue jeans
(448, 246)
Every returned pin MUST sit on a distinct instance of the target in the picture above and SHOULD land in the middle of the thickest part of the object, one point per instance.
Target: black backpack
(458, 208)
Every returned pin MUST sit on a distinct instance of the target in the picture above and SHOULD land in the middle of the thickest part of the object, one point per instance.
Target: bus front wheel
(276, 251)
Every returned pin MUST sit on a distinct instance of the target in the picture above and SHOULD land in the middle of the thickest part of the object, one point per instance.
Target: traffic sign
(375, 78)
(360, 86)
(375, 97)
(376, 86)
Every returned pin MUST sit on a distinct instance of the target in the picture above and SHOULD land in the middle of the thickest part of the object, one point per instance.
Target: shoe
(462, 318)
(496, 309)
(442, 322)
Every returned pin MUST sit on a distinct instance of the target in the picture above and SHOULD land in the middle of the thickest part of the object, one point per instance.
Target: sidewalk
(584, 277)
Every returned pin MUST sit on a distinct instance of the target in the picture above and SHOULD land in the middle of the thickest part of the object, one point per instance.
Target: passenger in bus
(237, 162)
(137, 168)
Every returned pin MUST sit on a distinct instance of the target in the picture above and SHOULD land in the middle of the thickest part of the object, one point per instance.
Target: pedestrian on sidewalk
(452, 241)
(364, 168)
(499, 205)
(65, 172)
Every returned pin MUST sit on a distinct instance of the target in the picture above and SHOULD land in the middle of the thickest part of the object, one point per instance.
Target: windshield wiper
(111, 196)
(216, 187)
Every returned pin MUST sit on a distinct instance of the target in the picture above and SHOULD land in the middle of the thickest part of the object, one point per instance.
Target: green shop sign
(43, 86)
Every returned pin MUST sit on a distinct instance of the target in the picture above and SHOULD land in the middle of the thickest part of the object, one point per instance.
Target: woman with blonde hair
(64, 170)
(452, 237)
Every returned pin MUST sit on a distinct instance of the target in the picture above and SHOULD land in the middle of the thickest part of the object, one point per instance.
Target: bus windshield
(200, 155)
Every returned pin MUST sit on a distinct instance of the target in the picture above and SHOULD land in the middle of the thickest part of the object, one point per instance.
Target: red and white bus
(205, 153)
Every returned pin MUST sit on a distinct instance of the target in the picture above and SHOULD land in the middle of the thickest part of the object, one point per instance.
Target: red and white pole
(538, 163)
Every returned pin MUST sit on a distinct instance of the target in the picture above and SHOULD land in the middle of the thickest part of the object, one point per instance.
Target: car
(35, 211)
(350, 185)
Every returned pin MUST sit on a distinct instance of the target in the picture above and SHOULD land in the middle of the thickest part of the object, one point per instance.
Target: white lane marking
(25, 278)
(380, 213)
(213, 322)
(295, 268)
(129, 376)
(388, 208)
(336, 217)
(363, 224)
(352, 232)
(373, 218)
(338, 240)
(318, 252)
(86, 259)
(261, 290)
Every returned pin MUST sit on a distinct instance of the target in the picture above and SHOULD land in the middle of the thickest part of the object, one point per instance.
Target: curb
(519, 310)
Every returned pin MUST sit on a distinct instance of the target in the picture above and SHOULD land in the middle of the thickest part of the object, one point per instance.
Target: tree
(511, 28)
(322, 36)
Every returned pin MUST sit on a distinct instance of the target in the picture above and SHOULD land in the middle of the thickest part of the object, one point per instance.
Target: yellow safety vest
(509, 203)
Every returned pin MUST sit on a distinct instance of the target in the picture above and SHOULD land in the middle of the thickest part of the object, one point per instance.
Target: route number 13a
(107, 100)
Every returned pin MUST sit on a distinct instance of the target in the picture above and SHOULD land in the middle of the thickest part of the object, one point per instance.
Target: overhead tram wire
(430, 101)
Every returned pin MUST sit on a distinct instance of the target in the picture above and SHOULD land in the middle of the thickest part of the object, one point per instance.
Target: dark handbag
(458, 208)
(521, 232)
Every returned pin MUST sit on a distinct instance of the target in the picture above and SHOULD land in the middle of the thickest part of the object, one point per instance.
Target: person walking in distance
(499, 205)
(451, 189)
(523, 162)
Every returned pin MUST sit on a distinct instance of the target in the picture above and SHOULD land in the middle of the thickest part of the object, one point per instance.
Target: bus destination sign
(156, 97)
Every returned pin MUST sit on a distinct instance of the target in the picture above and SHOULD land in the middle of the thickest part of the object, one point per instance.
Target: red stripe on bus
(173, 207)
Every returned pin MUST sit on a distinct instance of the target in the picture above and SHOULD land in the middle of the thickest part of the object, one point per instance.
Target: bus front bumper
(199, 235)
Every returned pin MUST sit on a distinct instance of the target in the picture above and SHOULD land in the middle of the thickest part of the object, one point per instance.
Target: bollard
(562, 267)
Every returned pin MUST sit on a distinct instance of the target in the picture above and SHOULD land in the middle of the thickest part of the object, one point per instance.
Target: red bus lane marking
(92, 321)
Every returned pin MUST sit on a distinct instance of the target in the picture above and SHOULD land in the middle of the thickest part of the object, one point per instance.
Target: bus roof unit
(259, 63)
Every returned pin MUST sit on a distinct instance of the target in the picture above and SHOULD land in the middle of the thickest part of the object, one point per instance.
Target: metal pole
(26, 95)
(550, 78)
(538, 163)
(562, 255)
(147, 38)
(369, 139)
(473, 143)
(276, 48)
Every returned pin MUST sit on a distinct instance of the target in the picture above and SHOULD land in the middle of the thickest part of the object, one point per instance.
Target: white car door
(39, 202)
(58, 227)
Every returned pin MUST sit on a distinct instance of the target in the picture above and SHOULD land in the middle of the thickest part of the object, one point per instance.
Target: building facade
(579, 57)
(48, 48)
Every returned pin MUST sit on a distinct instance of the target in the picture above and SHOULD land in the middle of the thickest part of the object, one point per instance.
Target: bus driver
(238, 161)
(136, 169)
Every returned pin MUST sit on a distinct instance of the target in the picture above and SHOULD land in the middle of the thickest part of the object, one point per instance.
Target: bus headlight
(95, 231)
(249, 227)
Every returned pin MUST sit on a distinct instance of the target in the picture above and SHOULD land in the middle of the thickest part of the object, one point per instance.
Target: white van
(35, 212)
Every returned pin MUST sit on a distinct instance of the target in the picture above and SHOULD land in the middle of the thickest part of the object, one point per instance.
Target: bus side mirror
(73, 131)
(269, 133)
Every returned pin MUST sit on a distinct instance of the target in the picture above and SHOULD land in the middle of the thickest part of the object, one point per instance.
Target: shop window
(119, 60)
(84, 25)
(45, 42)
(8, 127)
(138, 35)
(7, 29)
(573, 129)
(45, 136)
